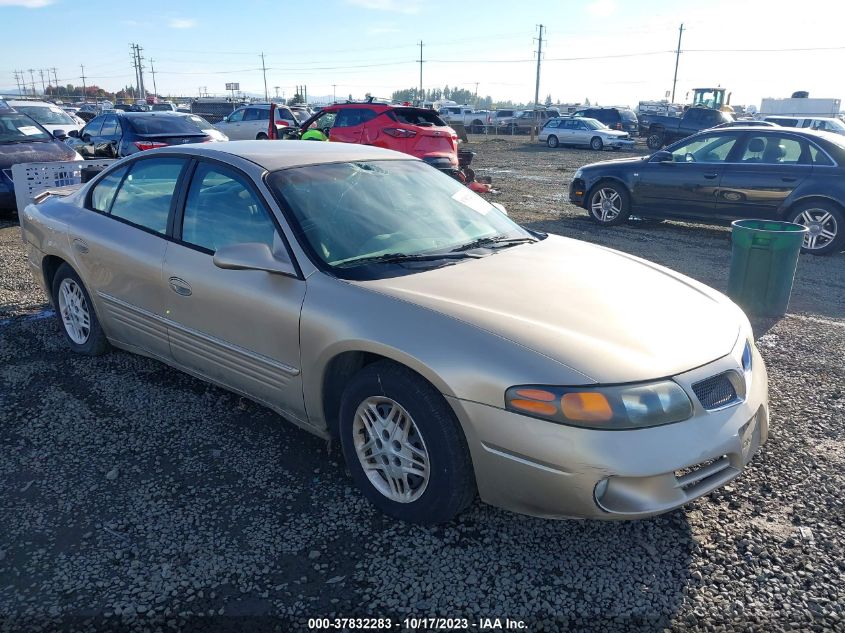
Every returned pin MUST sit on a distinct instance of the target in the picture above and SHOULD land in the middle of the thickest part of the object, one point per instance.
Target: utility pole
(537, 84)
(55, 78)
(677, 57)
(135, 66)
(264, 71)
(276, 88)
(43, 85)
(32, 79)
(143, 94)
(18, 83)
(422, 94)
(84, 91)
(476, 96)
(334, 93)
(153, 71)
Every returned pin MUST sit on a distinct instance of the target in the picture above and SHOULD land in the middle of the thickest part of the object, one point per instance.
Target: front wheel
(404, 446)
(552, 141)
(596, 143)
(655, 140)
(609, 204)
(826, 224)
(76, 313)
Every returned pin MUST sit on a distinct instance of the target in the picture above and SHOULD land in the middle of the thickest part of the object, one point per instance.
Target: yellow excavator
(713, 98)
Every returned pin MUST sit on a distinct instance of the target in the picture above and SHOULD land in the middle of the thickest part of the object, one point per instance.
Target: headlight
(578, 173)
(611, 408)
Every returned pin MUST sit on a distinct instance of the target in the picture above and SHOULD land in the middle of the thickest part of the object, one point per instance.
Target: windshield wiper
(493, 240)
(390, 258)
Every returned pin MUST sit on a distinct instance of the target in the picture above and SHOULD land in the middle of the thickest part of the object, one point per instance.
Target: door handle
(710, 176)
(80, 246)
(180, 286)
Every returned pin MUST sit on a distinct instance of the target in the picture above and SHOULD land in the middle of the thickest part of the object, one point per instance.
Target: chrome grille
(717, 391)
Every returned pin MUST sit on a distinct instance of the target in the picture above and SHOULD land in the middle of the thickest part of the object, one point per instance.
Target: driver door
(237, 328)
(349, 125)
(685, 186)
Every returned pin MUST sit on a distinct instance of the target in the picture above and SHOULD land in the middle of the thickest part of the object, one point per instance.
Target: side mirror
(73, 133)
(661, 157)
(253, 256)
(225, 119)
(59, 135)
(500, 207)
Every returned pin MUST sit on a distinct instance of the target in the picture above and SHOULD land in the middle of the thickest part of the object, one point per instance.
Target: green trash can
(764, 256)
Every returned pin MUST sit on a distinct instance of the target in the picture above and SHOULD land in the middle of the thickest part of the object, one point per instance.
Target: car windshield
(200, 122)
(164, 124)
(350, 211)
(19, 128)
(593, 124)
(46, 115)
(162, 107)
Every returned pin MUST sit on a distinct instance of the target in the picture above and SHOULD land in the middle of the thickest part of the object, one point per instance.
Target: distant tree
(548, 100)
(586, 101)
(297, 98)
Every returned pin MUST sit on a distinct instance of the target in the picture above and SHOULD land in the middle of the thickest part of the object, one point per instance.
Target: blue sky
(370, 46)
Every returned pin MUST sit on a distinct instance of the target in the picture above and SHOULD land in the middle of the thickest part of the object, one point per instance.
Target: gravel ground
(133, 497)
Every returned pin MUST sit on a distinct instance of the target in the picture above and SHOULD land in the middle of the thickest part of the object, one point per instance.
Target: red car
(415, 131)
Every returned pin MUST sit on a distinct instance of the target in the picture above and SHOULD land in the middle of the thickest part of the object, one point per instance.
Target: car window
(704, 149)
(552, 123)
(628, 115)
(146, 193)
(771, 149)
(818, 157)
(103, 192)
(256, 114)
(415, 116)
(282, 114)
(94, 126)
(46, 115)
(222, 209)
(237, 116)
(350, 117)
(109, 126)
(785, 122)
(163, 124)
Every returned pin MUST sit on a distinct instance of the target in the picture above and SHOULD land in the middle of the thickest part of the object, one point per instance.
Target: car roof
(273, 155)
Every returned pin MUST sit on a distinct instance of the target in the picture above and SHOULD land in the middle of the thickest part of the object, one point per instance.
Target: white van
(826, 124)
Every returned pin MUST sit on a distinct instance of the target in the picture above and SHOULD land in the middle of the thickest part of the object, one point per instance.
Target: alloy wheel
(391, 449)
(822, 226)
(606, 204)
(74, 311)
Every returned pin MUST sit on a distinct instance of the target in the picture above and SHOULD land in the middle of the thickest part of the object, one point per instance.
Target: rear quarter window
(415, 116)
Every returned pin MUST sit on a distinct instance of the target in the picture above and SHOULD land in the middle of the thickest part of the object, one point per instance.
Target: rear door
(119, 244)
(109, 138)
(256, 121)
(686, 186)
(767, 169)
(239, 328)
(89, 137)
(349, 125)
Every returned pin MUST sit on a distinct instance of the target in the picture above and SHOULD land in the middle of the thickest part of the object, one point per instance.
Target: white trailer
(801, 107)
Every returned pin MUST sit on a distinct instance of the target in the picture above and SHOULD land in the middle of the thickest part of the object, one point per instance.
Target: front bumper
(621, 143)
(577, 191)
(551, 470)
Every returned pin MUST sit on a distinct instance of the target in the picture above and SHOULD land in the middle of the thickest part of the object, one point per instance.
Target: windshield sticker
(29, 130)
(471, 200)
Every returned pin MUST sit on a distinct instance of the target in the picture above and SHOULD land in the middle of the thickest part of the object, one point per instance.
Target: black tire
(596, 143)
(96, 342)
(655, 140)
(609, 218)
(261, 136)
(451, 483)
(820, 215)
(552, 141)
(477, 127)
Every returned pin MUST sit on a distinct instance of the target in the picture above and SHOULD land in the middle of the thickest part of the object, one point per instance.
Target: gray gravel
(133, 497)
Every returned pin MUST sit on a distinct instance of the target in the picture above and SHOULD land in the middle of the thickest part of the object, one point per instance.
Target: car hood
(609, 315)
(614, 133)
(36, 152)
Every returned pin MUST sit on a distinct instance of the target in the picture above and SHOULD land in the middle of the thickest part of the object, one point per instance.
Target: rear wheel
(404, 446)
(76, 315)
(596, 143)
(609, 204)
(261, 137)
(477, 127)
(826, 223)
(552, 141)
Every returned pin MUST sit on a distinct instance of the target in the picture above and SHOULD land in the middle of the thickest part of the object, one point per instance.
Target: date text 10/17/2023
(418, 623)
